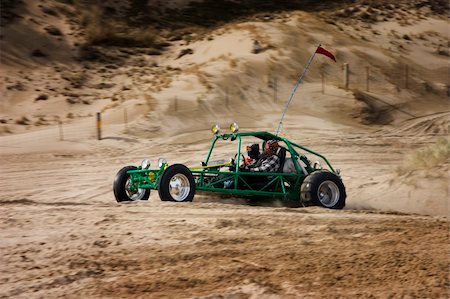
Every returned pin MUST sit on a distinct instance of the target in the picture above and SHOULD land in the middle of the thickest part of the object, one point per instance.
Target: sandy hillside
(63, 234)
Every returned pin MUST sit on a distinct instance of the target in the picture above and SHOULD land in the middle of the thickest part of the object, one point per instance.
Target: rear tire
(176, 184)
(121, 188)
(323, 188)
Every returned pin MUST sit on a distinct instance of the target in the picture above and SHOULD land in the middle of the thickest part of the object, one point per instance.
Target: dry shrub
(23, 121)
(5, 130)
(202, 77)
(72, 100)
(422, 36)
(49, 11)
(426, 158)
(41, 97)
(407, 37)
(53, 30)
(77, 80)
(38, 53)
(102, 30)
(443, 51)
(233, 63)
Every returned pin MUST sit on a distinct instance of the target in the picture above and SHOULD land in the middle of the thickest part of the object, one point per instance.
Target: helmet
(271, 146)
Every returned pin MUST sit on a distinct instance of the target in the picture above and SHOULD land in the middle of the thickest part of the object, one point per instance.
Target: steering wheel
(233, 161)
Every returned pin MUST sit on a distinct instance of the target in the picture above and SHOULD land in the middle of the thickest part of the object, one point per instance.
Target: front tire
(176, 184)
(122, 190)
(323, 188)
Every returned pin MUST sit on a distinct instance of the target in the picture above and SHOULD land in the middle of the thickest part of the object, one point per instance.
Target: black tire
(323, 188)
(120, 187)
(180, 176)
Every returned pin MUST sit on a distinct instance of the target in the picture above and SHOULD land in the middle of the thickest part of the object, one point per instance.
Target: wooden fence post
(61, 133)
(99, 126)
(346, 76)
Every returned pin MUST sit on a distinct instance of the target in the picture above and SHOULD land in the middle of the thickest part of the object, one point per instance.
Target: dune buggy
(296, 181)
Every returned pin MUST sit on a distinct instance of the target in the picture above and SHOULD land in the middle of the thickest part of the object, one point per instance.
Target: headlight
(161, 162)
(215, 129)
(234, 128)
(145, 164)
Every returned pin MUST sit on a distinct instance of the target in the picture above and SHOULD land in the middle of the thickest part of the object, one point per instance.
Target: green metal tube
(210, 149)
(317, 154)
(236, 169)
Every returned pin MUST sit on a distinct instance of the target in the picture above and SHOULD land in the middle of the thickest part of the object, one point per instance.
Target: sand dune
(64, 235)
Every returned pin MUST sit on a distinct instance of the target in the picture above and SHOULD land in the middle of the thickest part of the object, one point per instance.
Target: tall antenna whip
(319, 50)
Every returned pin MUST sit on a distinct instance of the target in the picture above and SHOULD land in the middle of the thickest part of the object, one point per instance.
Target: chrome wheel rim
(328, 194)
(138, 195)
(179, 187)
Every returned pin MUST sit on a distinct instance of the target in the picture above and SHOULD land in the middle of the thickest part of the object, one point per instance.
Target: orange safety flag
(322, 51)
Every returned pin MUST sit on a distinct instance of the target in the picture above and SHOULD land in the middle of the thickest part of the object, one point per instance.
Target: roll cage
(278, 184)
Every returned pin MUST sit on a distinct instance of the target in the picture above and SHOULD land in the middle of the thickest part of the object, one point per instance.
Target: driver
(268, 161)
(253, 154)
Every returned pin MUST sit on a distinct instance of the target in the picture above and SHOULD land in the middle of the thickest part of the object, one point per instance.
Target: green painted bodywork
(211, 178)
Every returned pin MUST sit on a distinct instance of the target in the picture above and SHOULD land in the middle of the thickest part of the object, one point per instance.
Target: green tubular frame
(140, 178)
(277, 181)
(207, 178)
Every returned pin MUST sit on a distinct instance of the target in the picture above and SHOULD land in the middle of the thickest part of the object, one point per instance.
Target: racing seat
(282, 156)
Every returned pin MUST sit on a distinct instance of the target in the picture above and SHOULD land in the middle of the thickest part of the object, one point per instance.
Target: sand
(63, 235)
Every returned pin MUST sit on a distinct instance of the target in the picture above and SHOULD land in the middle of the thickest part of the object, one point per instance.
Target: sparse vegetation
(42, 121)
(23, 121)
(53, 30)
(91, 53)
(183, 52)
(443, 51)
(100, 30)
(116, 35)
(41, 97)
(427, 158)
(7, 13)
(18, 86)
(406, 37)
(147, 25)
(38, 53)
(72, 100)
(372, 11)
(104, 85)
(76, 80)
(233, 63)
(49, 11)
